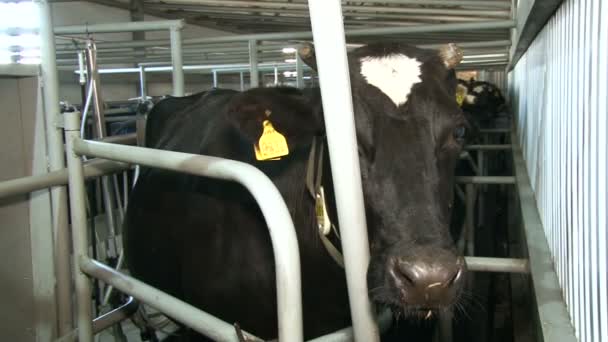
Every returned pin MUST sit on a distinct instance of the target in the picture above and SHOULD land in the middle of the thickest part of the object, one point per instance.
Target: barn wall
(558, 93)
(121, 87)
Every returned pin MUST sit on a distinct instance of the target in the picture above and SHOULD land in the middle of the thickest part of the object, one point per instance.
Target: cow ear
(307, 54)
(451, 55)
(287, 110)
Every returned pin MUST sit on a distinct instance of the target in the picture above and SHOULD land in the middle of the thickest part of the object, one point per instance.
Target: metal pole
(143, 85)
(269, 199)
(92, 168)
(276, 76)
(502, 265)
(100, 130)
(176, 60)
(50, 88)
(470, 219)
(242, 80)
(183, 312)
(299, 72)
(214, 78)
(254, 77)
(115, 316)
(486, 179)
(79, 228)
(130, 26)
(328, 31)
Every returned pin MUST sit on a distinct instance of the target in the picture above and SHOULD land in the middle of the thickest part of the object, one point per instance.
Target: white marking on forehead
(478, 89)
(470, 99)
(394, 75)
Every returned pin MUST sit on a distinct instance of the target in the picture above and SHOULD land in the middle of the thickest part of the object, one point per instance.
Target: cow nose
(427, 283)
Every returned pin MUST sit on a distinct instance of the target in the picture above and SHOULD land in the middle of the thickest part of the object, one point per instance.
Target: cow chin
(419, 287)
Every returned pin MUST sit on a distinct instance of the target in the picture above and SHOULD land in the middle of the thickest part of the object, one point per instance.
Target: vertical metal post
(50, 88)
(143, 84)
(100, 130)
(446, 326)
(276, 76)
(482, 187)
(253, 64)
(242, 79)
(214, 78)
(328, 33)
(470, 219)
(79, 228)
(299, 72)
(175, 34)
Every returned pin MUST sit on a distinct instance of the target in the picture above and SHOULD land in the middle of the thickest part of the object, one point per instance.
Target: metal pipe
(276, 76)
(254, 77)
(214, 78)
(79, 228)
(143, 84)
(62, 300)
(328, 31)
(131, 26)
(299, 35)
(278, 219)
(183, 312)
(242, 80)
(115, 316)
(92, 168)
(504, 265)
(504, 147)
(177, 62)
(489, 4)
(486, 179)
(299, 72)
(302, 6)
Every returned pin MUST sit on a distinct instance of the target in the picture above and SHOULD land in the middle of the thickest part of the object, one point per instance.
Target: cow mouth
(416, 314)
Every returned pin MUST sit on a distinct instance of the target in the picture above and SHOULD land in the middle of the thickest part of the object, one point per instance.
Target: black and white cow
(205, 240)
(483, 101)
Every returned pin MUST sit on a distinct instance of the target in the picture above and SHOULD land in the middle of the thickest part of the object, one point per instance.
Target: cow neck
(314, 180)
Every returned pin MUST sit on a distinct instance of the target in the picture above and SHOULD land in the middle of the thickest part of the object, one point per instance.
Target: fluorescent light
(30, 53)
(290, 60)
(289, 74)
(289, 50)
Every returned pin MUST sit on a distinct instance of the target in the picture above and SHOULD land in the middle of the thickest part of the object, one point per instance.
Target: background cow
(205, 240)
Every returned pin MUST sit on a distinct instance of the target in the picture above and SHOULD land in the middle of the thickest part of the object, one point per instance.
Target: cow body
(205, 241)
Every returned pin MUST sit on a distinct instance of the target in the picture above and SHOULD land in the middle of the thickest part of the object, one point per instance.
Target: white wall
(559, 91)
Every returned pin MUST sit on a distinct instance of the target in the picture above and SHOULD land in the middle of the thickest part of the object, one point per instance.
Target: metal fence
(558, 91)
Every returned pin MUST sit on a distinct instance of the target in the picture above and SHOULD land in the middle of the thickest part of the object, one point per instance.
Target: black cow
(483, 101)
(206, 242)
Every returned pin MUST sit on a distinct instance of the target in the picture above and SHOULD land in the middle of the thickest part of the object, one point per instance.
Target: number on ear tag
(460, 98)
(272, 144)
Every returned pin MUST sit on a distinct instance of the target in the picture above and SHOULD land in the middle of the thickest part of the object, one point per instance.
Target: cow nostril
(455, 278)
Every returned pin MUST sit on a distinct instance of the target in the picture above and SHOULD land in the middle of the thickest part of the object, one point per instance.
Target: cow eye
(459, 133)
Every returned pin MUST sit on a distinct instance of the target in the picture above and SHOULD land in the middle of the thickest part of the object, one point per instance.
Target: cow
(481, 100)
(205, 241)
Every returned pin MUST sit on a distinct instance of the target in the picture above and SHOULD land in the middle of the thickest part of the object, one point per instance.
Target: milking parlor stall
(290, 170)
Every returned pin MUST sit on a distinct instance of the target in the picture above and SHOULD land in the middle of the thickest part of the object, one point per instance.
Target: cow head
(410, 132)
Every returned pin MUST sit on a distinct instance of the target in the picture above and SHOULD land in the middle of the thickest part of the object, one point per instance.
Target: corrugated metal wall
(558, 92)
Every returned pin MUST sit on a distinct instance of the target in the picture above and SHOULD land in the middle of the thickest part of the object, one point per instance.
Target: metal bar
(276, 76)
(115, 316)
(551, 308)
(92, 168)
(485, 179)
(278, 219)
(130, 26)
(328, 30)
(214, 78)
(302, 6)
(56, 162)
(242, 80)
(177, 62)
(503, 147)
(183, 312)
(498, 24)
(254, 77)
(504, 265)
(299, 72)
(490, 4)
(79, 228)
(143, 84)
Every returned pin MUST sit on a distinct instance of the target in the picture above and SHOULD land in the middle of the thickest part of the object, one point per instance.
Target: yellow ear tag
(460, 98)
(272, 144)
